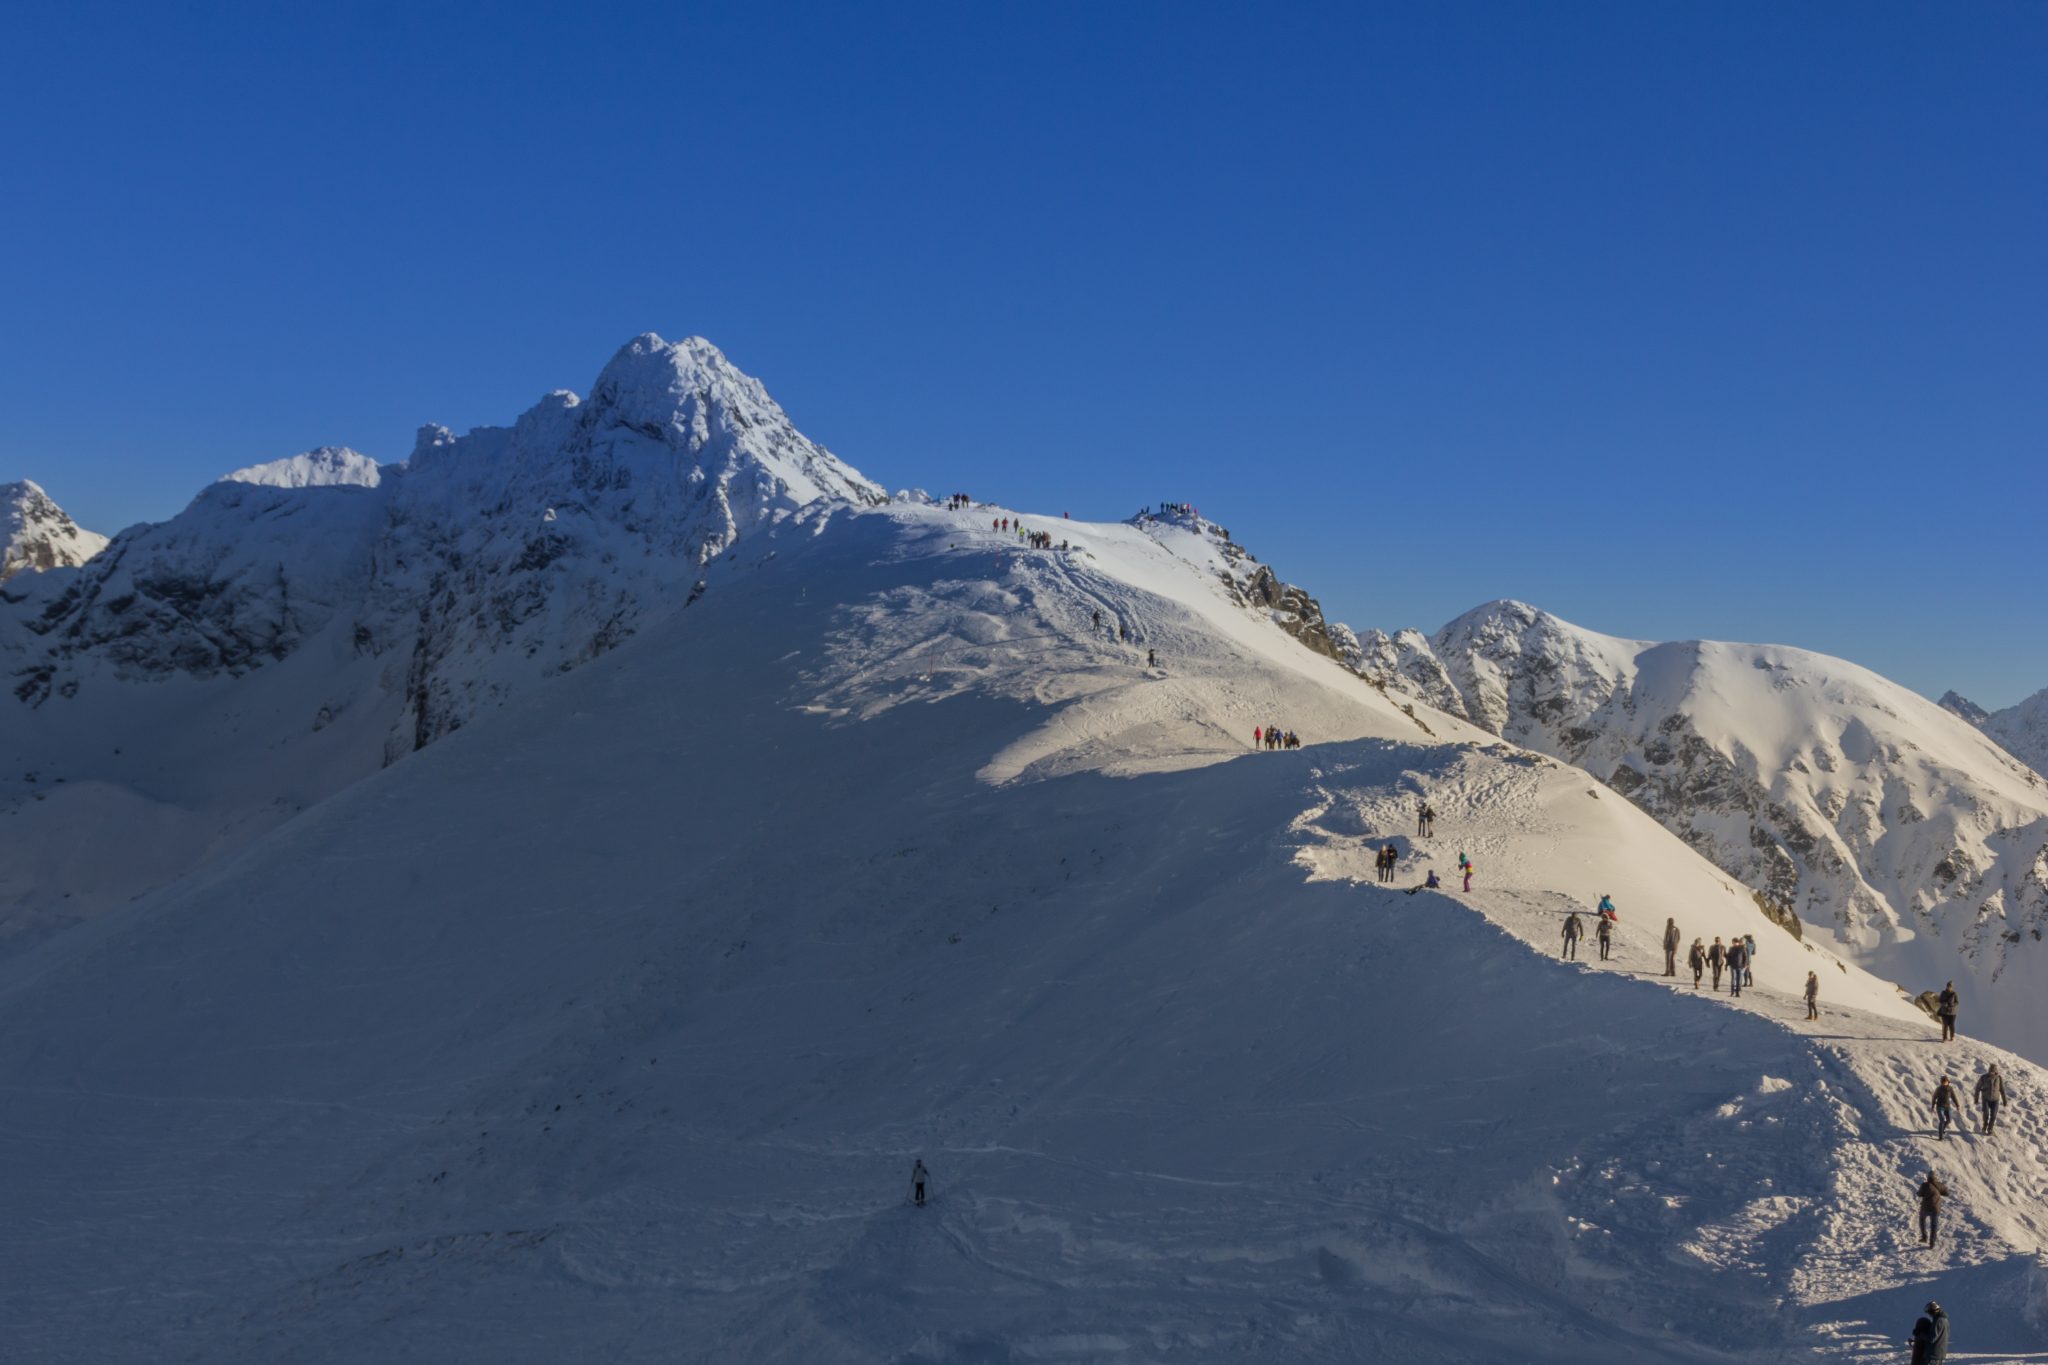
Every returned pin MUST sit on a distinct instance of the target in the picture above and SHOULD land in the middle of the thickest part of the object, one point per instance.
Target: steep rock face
(1406, 664)
(325, 467)
(1952, 700)
(1837, 795)
(36, 534)
(2022, 730)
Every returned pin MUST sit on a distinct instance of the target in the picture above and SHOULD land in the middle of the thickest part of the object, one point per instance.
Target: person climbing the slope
(1812, 996)
(1932, 1192)
(1697, 960)
(1574, 930)
(1947, 1108)
(1605, 909)
(1990, 1094)
(1749, 959)
(1605, 935)
(1717, 957)
(1469, 870)
(1738, 963)
(918, 1176)
(1930, 1337)
(1672, 938)
(1945, 1007)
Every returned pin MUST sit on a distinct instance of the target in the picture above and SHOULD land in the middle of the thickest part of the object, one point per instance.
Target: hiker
(1672, 939)
(1930, 1337)
(1258, 736)
(1421, 818)
(1574, 930)
(1932, 1192)
(1749, 959)
(1717, 956)
(1738, 964)
(1945, 1009)
(918, 1175)
(1812, 996)
(1469, 870)
(1990, 1094)
(1697, 960)
(1096, 617)
(1605, 934)
(1605, 909)
(1947, 1108)
(1151, 658)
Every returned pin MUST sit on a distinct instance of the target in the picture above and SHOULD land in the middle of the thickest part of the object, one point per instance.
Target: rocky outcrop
(36, 535)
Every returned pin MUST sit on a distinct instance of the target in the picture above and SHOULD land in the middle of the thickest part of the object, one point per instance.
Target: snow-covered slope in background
(304, 623)
(2022, 729)
(608, 1027)
(35, 533)
(1878, 816)
(321, 468)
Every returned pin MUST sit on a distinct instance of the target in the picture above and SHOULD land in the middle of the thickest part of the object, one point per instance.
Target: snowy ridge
(609, 1027)
(2022, 729)
(35, 533)
(1882, 819)
(321, 468)
(303, 623)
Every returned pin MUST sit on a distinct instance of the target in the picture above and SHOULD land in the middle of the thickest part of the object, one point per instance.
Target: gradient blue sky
(1677, 320)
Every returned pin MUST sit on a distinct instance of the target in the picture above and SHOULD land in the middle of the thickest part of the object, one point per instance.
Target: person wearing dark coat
(1672, 938)
(1990, 1094)
(1932, 1192)
(1947, 1108)
(1945, 1008)
(1697, 960)
(1930, 1337)
(1812, 995)
(1738, 963)
(1574, 930)
(918, 1176)
(1605, 933)
(1717, 957)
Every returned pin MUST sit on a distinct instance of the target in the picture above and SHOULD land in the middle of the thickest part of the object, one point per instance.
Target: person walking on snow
(1717, 957)
(1605, 934)
(1812, 996)
(1990, 1094)
(1932, 1192)
(1697, 960)
(1574, 930)
(918, 1175)
(1469, 870)
(1945, 1008)
(1672, 939)
(1748, 959)
(1393, 857)
(1930, 1337)
(1738, 964)
(1947, 1108)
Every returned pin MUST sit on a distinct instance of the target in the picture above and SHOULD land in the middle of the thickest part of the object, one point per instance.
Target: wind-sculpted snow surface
(304, 622)
(1879, 818)
(609, 1027)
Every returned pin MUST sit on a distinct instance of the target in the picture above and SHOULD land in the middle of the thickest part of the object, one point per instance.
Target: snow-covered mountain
(2021, 729)
(1882, 818)
(302, 624)
(609, 1027)
(321, 468)
(35, 533)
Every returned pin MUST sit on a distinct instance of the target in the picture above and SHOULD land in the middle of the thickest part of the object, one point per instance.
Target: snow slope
(2021, 729)
(1884, 820)
(608, 1027)
(35, 533)
(304, 623)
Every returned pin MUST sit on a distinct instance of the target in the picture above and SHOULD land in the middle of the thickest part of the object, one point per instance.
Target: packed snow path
(609, 1027)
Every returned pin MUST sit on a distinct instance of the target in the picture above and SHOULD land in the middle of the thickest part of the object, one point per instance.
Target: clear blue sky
(1678, 320)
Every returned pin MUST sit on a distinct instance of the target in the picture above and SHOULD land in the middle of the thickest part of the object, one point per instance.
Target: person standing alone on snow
(1697, 960)
(1930, 1337)
(1945, 1009)
(1990, 1094)
(918, 1175)
(1469, 870)
(1932, 1192)
(1947, 1108)
(1672, 938)
(1573, 932)
(1717, 956)
(1812, 996)
(1738, 963)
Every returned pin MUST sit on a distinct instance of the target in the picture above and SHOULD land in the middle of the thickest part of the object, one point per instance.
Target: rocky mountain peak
(35, 533)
